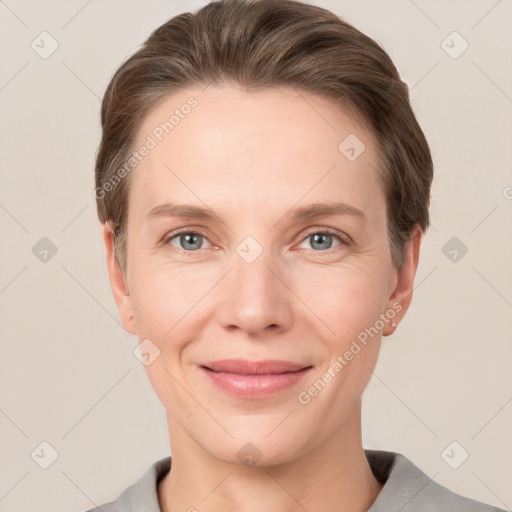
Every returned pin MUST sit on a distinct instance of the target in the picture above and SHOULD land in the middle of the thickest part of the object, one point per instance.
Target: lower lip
(255, 386)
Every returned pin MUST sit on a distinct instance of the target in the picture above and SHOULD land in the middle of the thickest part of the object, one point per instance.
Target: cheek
(165, 300)
(166, 305)
(348, 302)
(345, 299)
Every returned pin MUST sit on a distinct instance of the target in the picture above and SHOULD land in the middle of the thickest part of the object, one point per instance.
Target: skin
(251, 158)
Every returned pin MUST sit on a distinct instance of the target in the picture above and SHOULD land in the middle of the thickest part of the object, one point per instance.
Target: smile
(254, 380)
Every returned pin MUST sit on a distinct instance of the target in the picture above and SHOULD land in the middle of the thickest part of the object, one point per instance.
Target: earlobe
(401, 297)
(118, 282)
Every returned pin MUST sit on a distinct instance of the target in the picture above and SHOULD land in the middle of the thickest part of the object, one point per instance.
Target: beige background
(68, 375)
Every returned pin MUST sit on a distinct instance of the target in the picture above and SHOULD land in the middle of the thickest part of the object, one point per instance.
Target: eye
(188, 241)
(191, 241)
(322, 240)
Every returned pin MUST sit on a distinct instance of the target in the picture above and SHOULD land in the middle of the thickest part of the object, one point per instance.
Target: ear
(118, 282)
(401, 297)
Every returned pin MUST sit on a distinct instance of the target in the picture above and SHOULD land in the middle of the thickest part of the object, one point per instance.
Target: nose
(255, 298)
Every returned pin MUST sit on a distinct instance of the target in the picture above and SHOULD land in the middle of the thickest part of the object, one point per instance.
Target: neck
(332, 476)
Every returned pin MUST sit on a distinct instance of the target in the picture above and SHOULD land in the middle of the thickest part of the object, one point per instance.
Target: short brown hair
(259, 44)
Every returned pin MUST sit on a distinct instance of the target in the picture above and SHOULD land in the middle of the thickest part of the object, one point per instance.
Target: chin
(257, 449)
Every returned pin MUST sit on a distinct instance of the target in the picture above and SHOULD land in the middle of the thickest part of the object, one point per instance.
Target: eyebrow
(310, 211)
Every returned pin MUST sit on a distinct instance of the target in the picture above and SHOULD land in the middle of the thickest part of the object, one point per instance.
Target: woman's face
(266, 276)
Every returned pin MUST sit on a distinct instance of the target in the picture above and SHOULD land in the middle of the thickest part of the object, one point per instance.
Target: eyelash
(326, 231)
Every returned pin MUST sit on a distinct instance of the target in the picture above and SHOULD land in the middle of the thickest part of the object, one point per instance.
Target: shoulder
(407, 488)
(141, 495)
(106, 507)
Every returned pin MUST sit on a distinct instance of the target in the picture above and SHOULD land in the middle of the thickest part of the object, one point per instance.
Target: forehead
(273, 146)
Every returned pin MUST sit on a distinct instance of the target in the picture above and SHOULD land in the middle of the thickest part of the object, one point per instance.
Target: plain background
(68, 374)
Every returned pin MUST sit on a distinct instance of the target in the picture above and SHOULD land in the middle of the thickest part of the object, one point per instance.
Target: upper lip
(245, 367)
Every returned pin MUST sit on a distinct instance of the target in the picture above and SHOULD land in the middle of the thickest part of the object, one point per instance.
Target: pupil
(189, 238)
(322, 237)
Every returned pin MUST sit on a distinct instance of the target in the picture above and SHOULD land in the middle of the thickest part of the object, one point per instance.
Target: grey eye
(321, 240)
(188, 241)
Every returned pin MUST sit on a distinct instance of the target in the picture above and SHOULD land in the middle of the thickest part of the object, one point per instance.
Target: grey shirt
(406, 489)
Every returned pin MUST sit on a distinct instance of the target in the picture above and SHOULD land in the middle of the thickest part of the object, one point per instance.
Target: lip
(254, 379)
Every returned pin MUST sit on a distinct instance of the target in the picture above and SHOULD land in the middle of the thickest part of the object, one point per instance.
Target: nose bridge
(251, 273)
(255, 297)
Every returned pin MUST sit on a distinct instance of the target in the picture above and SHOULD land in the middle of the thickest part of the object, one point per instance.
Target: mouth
(254, 379)
(245, 367)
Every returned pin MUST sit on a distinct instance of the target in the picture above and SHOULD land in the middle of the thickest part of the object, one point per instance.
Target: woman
(263, 186)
